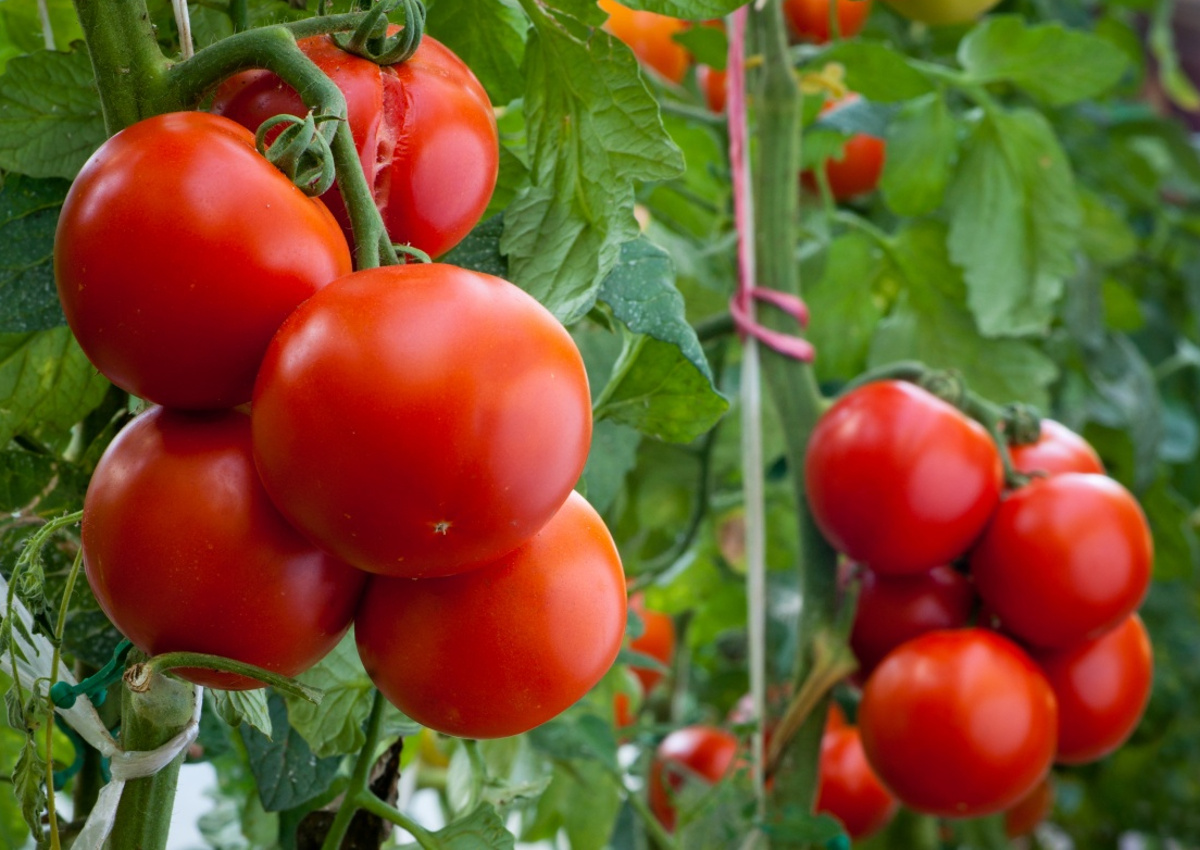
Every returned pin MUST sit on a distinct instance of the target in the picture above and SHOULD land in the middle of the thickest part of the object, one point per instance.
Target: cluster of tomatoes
(997, 630)
(393, 448)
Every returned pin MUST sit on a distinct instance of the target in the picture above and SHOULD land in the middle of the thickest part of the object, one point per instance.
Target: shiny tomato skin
(649, 36)
(178, 253)
(895, 609)
(858, 170)
(848, 788)
(656, 640)
(1058, 449)
(421, 420)
(1024, 817)
(504, 648)
(185, 552)
(701, 753)
(1064, 559)
(809, 19)
(714, 85)
(1102, 687)
(900, 480)
(959, 723)
(425, 131)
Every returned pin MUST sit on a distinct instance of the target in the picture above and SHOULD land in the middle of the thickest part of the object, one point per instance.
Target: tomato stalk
(139, 676)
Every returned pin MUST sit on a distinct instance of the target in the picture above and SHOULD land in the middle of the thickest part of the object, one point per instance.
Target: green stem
(478, 775)
(130, 68)
(239, 14)
(369, 802)
(359, 780)
(140, 674)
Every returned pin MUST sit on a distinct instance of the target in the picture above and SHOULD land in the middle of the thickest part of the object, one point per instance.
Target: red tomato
(185, 552)
(1024, 817)
(858, 169)
(649, 36)
(1102, 686)
(713, 84)
(623, 713)
(809, 19)
(421, 420)
(425, 131)
(1064, 559)
(900, 480)
(657, 640)
(894, 609)
(1058, 449)
(700, 753)
(959, 723)
(848, 788)
(179, 251)
(504, 648)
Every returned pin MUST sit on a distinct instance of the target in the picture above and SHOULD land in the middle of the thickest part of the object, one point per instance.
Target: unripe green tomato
(942, 12)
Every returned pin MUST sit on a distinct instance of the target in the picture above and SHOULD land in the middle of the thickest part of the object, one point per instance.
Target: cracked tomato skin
(504, 648)
(425, 131)
(900, 480)
(185, 552)
(959, 723)
(178, 253)
(1064, 559)
(421, 420)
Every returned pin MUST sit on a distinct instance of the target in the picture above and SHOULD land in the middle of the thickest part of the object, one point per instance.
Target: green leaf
(28, 218)
(22, 22)
(482, 829)
(877, 72)
(13, 830)
(335, 726)
(480, 249)
(1014, 223)
(1054, 64)
(576, 735)
(1106, 236)
(655, 389)
(612, 455)
(690, 10)
(1175, 81)
(584, 800)
(844, 307)
(930, 325)
(50, 118)
(594, 130)
(1176, 553)
(45, 380)
(488, 37)
(922, 142)
(1127, 398)
(238, 707)
(23, 475)
(708, 45)
(285, 769)
(28, 779)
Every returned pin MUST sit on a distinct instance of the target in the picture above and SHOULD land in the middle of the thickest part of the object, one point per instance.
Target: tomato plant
(1064, 559)
(421, 420)
(651, 38)
(1057, 449)
(809, 19)
(697, 753)
(424, 128)
(503, 648)
(900, 480)
(656, 640)
(179, 252)
(959, 723)
(848, 788)
(859, 166)
(185, 552)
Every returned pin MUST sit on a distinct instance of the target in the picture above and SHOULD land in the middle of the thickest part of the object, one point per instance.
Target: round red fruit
(656, 640)
(694, 753)
(1058, 449)
(848, 788)
(809, 19)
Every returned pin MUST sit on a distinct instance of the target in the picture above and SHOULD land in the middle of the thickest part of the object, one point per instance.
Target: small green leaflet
(922, 141)
(45, 379)
(844, 308)
(50, 118)
(594, 130)
(613, 454)
(238, 707)
(335, 726)
(691, 10)
(28, 216)
(876, 72)
(285, 770)
(482, 829)
(1054, 64)
(489, 37)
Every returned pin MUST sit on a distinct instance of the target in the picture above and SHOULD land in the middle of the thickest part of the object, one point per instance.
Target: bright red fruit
(848, 788)
(185, 552)
(425, 131)
(859, 167)
(504, 648)
(178, 253)
(700, 753)
(421, 420)
(959, 723)
(656, 640)
(900, 480)
(1064, 559)
(894, 609)
(1057, 450)
(1102, 687)
(809, 19)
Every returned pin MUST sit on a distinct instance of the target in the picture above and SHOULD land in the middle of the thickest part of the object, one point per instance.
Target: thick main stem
(130, 68)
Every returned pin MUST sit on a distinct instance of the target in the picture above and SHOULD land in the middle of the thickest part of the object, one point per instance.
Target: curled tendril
(412, 253)
(301, 151)
(946, 385)
(1022, 424)
(371, 40)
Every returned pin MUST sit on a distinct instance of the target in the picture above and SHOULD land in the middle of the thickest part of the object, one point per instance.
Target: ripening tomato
(847, 787)
(959, 723)
(697, 753)
(1024, 817)
(715, 87)
(895, 609)
(1102, 686)
(941, 12)
(421, 420)
(809, 19)
(858, 169)
(425, 131)
(649, 36)
(185, 552)
(656, 640)
(504, 648)
(900, 480)
(179, 251)
(1058, 449)
(1064, 559)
